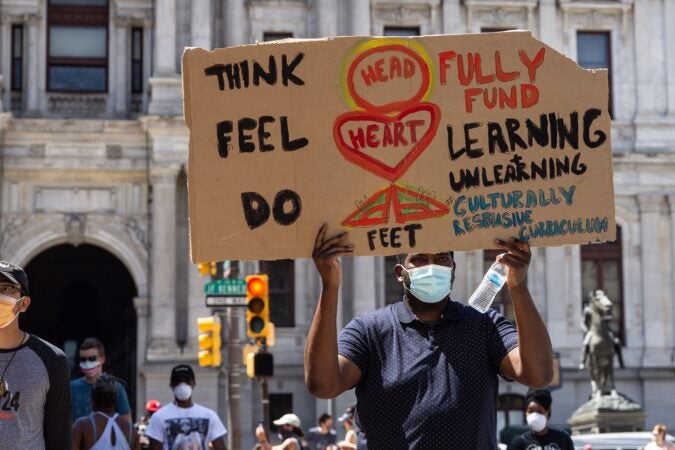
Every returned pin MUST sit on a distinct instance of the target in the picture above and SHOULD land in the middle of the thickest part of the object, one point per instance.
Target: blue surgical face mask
(430, 283)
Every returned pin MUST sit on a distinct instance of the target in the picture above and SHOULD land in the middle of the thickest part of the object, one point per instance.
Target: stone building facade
(94, 202)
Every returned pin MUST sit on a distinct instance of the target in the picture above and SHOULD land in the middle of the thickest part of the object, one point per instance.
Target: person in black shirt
(540, 436)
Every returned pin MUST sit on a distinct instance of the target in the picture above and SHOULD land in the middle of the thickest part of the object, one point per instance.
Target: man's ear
(102, 358)
(25, 303)
(398, 271)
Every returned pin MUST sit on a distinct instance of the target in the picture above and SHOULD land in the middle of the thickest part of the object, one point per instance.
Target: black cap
(15, 274)
(541, 396)
(182, 371)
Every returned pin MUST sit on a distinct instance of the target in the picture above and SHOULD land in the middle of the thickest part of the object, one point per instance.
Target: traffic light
(204, 268)
(257, 306)
(209, 341)
(260, 364)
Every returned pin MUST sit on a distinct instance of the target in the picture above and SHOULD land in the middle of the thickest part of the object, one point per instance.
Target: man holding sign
(425, 369)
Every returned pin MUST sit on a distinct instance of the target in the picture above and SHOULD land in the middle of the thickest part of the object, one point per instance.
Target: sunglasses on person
(88, 358)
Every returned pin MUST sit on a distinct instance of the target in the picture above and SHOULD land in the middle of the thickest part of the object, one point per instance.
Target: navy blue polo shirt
(427, 386)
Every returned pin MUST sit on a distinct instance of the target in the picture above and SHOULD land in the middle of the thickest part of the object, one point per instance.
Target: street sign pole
(234, 373)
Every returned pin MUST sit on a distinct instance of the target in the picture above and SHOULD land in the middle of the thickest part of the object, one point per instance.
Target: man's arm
(219, 443)
(327, 374)
(57, 421)
(122, 406)
(531, 363)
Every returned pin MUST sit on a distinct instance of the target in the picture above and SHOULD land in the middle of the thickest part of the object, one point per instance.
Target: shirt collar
(452, 311)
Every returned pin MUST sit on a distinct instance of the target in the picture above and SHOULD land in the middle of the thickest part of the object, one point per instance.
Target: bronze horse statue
(600, 343)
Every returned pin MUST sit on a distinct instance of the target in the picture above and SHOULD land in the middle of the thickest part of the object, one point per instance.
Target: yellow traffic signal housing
(257, 306)
(204, 268)
(209, 341)
(259, 364)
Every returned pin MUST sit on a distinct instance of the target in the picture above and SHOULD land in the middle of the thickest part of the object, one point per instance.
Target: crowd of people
(396, 358)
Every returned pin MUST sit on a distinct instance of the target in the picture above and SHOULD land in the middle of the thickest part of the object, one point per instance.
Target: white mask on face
(536, 421)
(183, 391)
(7, 314)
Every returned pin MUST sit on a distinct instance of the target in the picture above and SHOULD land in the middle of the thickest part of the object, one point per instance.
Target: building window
(280, 404)
(136, 60)
(17, 58)
(276, 35)
(282, 291)
(494, 29)
(510, 412)
(77, 43)
(502, 302)
(594, 52)
(601, 268)
(393, 290)
(401, 31)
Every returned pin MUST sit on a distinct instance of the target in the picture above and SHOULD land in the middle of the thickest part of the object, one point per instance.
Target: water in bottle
(488, 288)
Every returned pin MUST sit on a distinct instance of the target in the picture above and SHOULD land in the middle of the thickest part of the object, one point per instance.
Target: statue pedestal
(607, 414)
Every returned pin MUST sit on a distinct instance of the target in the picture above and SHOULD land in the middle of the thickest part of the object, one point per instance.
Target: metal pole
(265, 399)
(233, 379)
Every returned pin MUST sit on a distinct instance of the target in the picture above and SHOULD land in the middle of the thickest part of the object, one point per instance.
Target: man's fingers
(513, 261)
(333, 241)
(336, 251)
(515, 246)
(320, 236)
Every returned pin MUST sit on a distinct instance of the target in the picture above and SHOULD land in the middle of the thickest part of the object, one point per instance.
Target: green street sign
(231, 287)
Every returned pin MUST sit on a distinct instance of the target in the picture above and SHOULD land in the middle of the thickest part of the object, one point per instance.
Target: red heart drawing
(381, 122)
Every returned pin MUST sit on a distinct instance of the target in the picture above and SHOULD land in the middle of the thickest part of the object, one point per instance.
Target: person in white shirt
(183, 424)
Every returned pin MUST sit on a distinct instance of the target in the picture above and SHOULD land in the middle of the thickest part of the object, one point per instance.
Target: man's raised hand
(326, 253)
(517, 259)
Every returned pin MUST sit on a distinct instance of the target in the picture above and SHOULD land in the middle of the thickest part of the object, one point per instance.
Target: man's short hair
(324, 417)
(91, 342)
(400, 258)
(104, 392)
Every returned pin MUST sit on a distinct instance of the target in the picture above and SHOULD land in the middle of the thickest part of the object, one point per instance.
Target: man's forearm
(321, 359)
(536, 353)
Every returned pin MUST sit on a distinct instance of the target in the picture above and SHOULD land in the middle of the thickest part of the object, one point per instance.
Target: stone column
(655, 280)
(547, 25)
(360, 17)
(32, 66)
(165, 37)
(235, 22)
(558, 295)
(5, 66)
(326, 14)
(649, 57)
(163, 262)
(141, 305)
(202, 24)
(120, 81)
(452, 17)
(669, 30)
(671, 273)
(363, 295)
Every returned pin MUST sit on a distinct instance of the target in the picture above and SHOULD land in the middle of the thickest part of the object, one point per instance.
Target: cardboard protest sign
(426, 144)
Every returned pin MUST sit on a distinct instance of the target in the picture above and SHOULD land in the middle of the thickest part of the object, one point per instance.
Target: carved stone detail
(75, 225)
(403, 14)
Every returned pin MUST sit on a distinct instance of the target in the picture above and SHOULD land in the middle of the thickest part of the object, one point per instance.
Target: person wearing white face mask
(425, 369)
(540, 436)
(33, 376)
(183, 424)
(92, 357)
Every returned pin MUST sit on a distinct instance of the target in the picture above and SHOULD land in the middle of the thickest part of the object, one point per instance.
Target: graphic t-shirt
(35, 411)
(185, 428)
(81, 398)
(553, 440)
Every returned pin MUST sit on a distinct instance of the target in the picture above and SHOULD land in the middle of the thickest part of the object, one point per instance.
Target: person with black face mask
(425, 369)
(540, 436)
(183, 424)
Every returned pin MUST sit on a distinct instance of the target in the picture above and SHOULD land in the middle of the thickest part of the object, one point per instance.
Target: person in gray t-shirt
(34, 387)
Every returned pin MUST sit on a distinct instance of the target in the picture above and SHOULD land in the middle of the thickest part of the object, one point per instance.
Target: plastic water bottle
(488, 288)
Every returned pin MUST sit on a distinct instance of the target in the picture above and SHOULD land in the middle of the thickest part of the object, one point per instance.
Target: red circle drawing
(396, 105)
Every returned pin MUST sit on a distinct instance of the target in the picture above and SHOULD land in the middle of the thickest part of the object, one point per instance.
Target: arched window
(601, 268)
